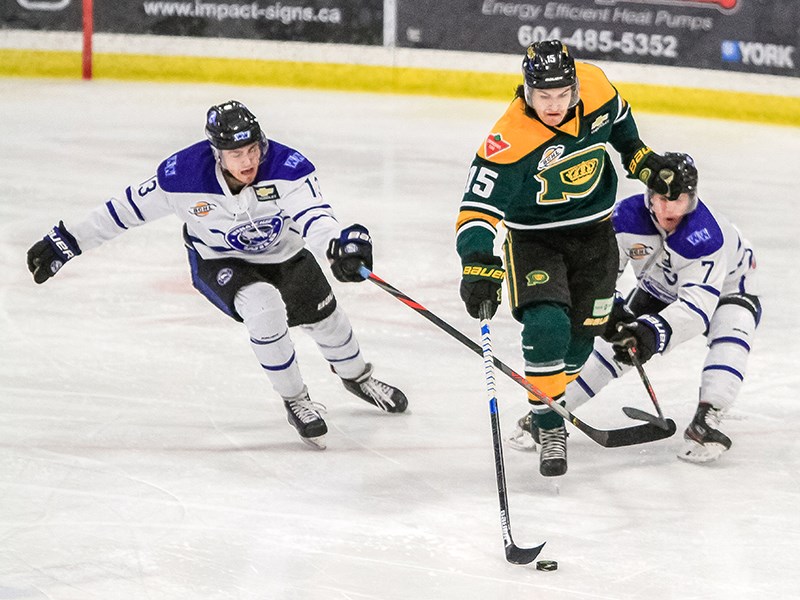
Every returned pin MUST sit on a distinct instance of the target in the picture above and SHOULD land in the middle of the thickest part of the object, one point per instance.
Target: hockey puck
(546, 565)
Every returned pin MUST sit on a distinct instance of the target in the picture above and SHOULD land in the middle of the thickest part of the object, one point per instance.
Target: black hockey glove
(349, 251)
(652, 170)
(620, 313)
(481, 279)
(648, 334)
(50, 253)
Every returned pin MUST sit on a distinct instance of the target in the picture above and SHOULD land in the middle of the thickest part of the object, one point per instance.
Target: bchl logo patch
(551, 155)
(202, 208)
(256, 236)
(265, 193)
(224, 276)
(495, 144)
(640, 251)
(537, 277)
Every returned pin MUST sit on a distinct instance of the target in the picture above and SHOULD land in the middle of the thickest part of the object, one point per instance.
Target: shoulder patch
(514, 136)
(494, 144)
(283, 162)
(698, 234)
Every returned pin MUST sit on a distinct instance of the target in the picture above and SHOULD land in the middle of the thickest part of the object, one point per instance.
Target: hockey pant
(729, 340)
(262, 309)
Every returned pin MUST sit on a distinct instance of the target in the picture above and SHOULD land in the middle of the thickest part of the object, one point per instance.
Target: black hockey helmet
(548, 65)
(679, 173)
(231, 125)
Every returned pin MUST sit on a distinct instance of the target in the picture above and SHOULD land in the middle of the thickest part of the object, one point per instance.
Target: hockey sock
(261, 307)
(337, 343)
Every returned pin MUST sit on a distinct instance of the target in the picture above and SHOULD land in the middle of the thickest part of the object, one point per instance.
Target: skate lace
(376, 389)
(554, 443)
(306, 409)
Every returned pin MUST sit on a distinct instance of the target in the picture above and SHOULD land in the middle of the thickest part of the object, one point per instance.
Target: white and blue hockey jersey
(266, 222)
(690, 269)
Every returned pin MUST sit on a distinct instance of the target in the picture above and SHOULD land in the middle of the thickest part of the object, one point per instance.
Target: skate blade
(522, 440)
(701, 453)
(317, 443)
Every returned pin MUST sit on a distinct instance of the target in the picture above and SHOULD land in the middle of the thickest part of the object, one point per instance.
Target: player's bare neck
(234, 184)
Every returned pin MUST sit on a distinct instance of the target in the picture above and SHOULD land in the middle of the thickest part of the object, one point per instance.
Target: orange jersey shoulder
(596, 90)
(514, 136)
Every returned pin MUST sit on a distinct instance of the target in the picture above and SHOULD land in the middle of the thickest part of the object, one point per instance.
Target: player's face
(552, 105)
(242, 162)
(669, 213)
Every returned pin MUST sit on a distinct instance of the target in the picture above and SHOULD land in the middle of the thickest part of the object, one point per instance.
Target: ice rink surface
(144, 456)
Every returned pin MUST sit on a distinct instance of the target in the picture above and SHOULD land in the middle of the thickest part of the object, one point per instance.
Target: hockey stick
(635, 413)
(609, 438)
(514, 554)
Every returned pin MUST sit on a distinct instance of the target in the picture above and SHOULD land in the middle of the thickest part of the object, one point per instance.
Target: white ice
(144, 456)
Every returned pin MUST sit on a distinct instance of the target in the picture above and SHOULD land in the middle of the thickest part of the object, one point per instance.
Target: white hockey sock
(599, 369)
(264, 314)
(729, 338)
(338, 344)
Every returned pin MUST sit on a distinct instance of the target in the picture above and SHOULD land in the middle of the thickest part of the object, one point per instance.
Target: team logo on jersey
(581, 173)
(599, 122)
(224, 276)
(537, 277)
(495, 144)
(640, 251)
(550, 155)
(202, 208)
(255, 236)
(266, 192)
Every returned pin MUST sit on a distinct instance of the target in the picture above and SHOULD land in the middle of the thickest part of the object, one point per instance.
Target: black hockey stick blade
(522, 556)
(640, 415)
(629, 436)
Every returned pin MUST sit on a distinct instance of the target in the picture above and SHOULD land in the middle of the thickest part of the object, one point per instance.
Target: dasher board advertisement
(327, 21)
(756, 36)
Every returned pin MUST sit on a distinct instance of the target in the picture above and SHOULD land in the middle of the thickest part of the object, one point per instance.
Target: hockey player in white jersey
(695, 274)
(250, 208)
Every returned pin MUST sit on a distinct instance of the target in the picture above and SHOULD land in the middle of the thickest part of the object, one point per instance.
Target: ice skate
(522, 438)
(304, 415)
(378, 393)
(552, 450)
(704, 442)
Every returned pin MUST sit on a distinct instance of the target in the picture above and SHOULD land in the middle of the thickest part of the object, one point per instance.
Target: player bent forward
(695, 274)
(249, 207)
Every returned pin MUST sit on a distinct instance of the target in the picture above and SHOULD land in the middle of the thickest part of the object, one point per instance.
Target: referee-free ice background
(144, 456)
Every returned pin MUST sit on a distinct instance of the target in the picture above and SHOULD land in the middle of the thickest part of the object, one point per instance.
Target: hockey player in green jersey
(544, 171)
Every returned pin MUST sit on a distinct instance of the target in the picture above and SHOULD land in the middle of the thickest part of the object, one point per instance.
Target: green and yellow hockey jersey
(535, 177)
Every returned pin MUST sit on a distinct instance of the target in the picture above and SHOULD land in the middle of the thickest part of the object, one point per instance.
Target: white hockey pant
(261, 306)
(730, 337)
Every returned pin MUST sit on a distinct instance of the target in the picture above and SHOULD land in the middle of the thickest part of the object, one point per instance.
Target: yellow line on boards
(705, 103)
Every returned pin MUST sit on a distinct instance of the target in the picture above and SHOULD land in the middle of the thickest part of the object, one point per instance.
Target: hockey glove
(481, 279)
(620, 313)
(648, 334)
(349, 251)
(653, 171)
(50, 253)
